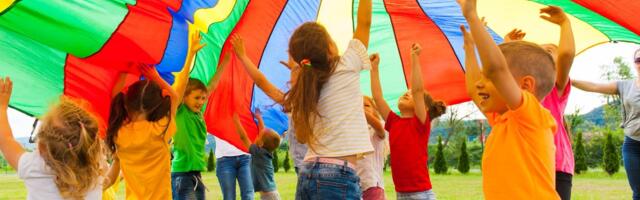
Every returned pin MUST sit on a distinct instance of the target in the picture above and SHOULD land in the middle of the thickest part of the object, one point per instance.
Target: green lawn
(593, 185)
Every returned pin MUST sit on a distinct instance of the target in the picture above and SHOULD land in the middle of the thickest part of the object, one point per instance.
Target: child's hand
(238, 45)
(514, 35)
(375, 61)
(416, 49)
(195, 45)
(555, 15)
(148, 71)
(6, 86)
(468, 7)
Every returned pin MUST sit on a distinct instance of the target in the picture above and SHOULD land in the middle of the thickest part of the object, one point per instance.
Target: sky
(586, 66)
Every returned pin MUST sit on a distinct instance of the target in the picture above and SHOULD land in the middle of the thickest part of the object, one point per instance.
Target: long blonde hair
(69, 144)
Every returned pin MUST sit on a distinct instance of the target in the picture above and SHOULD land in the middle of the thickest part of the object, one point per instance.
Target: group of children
(522, 89)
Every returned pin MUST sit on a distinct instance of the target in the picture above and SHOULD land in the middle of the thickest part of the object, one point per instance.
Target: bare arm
(112, 174)
(261, 81)
(374, 121)
(213, 83)
(11, 149)
(473, 73)
(417, 85)
(566, 49)
(376, 89)
(182, 79)
(494, 64)
(240, 131)
(602, 88)
(364, 22)
(117, 87)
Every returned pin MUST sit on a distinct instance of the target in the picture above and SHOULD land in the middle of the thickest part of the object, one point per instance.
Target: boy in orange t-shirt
(519, 159)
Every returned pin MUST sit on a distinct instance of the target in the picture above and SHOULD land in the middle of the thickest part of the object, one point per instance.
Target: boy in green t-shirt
(189, 141)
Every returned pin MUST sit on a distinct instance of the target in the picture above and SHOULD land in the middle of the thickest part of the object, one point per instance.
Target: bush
(440, 163)
(610, 158)
(276, 162)
(581, 155)
(211, 162)
(463, 159)
(286, 164)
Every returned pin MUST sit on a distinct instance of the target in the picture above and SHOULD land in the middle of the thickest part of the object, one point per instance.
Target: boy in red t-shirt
(409, 133)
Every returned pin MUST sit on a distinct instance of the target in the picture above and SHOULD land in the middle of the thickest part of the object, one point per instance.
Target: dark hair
(312, 42)
(194, 84)
(436, 107)
(529, 59)
(142, 96)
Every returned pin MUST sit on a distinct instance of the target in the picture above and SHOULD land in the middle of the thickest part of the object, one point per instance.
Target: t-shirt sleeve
(391, 119)
(422, 127)
(532, 115)
(622, 87)
(27, 163)
(355, 58)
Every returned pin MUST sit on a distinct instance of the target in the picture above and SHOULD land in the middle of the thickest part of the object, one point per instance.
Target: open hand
(553, 14)
(468, 39)
(514, 35)
(238, 45)
(195, 45)
(468, 7)
(6, 86)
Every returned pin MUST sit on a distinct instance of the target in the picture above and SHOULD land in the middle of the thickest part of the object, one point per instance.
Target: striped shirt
(341, 129)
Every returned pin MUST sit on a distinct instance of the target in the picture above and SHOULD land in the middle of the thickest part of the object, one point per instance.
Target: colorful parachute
(76, 48)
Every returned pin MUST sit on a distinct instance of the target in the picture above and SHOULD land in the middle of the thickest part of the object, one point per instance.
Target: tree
(440, 163)
(574, 120)
(463, 160)
(454, 122)
(286, 164)
(610, 157)
(581, 155)
(211, 162)
(276, 162)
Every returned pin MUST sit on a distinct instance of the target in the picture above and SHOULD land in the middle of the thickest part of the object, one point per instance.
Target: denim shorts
(424, 195)
(318, 181)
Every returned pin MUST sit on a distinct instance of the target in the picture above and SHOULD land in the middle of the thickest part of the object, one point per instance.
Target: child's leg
(226, 172)
(373, 193)
(273, 195)
(244, 177)
(631, 158)
(563, 185)
(187, 185)
(424, 195)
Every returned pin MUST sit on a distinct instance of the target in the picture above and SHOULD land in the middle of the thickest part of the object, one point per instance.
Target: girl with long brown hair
(327, 109)
(66, 163)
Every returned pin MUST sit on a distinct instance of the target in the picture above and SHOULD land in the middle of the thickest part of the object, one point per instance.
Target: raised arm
(494, 64)
(117, 87)
(376, 89)
(602, 88)
(261, 81)
(566, 49)
(151, 74)
(11, 149)
(472, 73)
(213, 83)
(258, 115)
(417, 85)
(374, 121)
(240, 131)
(183, 77)
(364, 22)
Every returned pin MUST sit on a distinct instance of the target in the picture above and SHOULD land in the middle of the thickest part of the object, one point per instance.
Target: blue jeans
(228, 169)
(318, 181)
(187, 185)
(631, 157)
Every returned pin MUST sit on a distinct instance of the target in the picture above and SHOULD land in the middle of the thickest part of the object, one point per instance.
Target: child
(189, 140)
(296, 150)
(261, 157)
(141, 122)
(409, 133)
(370, 167)
(518, 161)
(66, 163)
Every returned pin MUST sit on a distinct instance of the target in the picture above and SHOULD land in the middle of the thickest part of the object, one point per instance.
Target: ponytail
(117, 116)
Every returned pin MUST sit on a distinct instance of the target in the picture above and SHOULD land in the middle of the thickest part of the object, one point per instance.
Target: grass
(593, 185)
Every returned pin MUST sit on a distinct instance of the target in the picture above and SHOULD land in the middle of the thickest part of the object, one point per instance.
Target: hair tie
(306, 63)
(165, 93)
